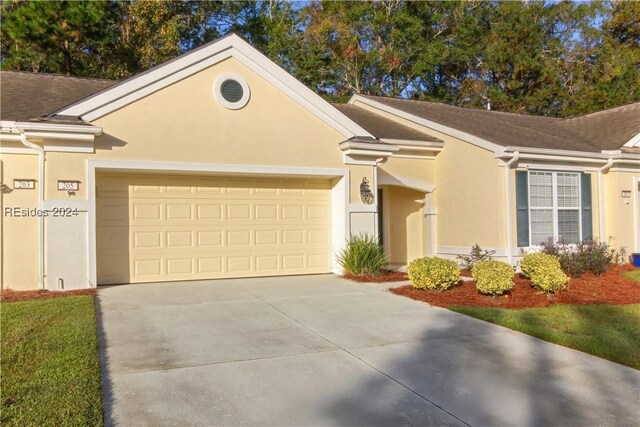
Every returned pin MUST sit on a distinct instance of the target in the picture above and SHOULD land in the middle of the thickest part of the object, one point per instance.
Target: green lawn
(633, 274)
(50, 367)
(608, 331)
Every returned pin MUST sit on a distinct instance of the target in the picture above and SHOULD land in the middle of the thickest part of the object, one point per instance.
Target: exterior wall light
(365, 192)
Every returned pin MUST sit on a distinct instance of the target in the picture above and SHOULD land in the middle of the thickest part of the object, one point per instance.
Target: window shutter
(587, 212)
(522, 206)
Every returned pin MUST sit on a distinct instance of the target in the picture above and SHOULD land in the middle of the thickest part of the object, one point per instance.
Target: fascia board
(232, 46)
(633, 142)
(350, 145)
(144, 79)
(567, 156)
(50, 127)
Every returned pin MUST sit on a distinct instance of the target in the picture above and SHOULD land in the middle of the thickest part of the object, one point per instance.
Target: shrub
(476, 255)
(493, 277)
(433, 273)
(533, 262)
(549, 280)
(363, 256)
(588, 255)
(544, 271)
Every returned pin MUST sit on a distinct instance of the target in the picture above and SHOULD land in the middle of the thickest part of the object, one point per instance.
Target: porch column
(429, 224)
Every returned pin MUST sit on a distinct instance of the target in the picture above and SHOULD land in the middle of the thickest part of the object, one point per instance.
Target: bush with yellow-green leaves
(493, 277)
(433, 273)
(533, 262)
(544, 271)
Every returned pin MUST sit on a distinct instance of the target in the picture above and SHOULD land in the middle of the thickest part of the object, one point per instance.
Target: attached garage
(160, 227)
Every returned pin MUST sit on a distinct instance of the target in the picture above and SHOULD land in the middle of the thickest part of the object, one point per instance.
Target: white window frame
(555, 208)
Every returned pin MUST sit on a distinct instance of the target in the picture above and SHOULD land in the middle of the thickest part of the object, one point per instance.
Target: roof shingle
(28, 96)
(381, 127)
(605, 130)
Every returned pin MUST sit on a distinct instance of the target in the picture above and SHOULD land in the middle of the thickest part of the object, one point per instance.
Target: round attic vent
(231, 91)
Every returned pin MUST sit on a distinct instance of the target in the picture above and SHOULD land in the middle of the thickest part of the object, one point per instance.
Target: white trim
(633, 142)
(555, 208)
(217, 91)
(384, 178)
(364, 153)
(56, 145)
(508, 201)
(601, 209)
(186, 65)
(17, 150)
(525, 151)
(559, 168)
(372, 147)
(12, 126)
(569, 155)
(636, 207)
(339, 194)
(340, 224)
(363, 208)
(472, 139)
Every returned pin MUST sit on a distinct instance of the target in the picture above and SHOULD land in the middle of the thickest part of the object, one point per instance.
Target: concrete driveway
(318, 350)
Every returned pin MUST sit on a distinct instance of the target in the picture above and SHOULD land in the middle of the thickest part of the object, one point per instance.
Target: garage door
(172, 227)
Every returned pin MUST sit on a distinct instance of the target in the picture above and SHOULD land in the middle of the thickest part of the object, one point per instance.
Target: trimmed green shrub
(550, 280)
(475, 255)
(544, 271)
(588, 255)
(433, 273)
(533, 262)
(493, 277)
(363, 256)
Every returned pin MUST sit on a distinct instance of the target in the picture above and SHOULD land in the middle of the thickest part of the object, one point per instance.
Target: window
(554, 207)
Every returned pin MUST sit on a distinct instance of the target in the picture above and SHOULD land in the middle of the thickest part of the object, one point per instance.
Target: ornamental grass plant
(363, 256)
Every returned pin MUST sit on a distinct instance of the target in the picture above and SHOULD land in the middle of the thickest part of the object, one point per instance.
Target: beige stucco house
(220, 164)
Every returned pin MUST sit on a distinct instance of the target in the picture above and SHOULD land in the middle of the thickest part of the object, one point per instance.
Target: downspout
(601, 170)
(40, 150)
(507, 180)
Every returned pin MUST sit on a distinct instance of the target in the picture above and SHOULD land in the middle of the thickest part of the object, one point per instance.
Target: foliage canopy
(538, 57)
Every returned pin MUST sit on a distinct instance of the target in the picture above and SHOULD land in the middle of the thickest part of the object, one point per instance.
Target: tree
(604, 67)
(57, 37)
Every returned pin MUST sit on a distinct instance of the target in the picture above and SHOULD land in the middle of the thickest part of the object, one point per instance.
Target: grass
(633, 274)
(607, 331)
(50, 367)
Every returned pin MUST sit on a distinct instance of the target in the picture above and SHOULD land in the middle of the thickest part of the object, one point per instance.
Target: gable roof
(27, 97)
(608, 129)
(381, 127)
(592, 132)
(229, 46)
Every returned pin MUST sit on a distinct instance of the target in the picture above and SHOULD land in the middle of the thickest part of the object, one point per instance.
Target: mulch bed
(609, 288)
(15, 296)
(389, 276)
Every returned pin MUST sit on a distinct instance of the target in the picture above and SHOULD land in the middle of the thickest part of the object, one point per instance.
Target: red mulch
(609, 288)
(389, 276)
(15, 296)
(466, 273)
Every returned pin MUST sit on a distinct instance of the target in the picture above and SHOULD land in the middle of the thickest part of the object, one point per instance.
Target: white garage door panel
(161, 228)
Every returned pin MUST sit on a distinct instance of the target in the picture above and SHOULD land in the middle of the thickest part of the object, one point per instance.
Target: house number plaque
(24, 184)
(68, 185)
